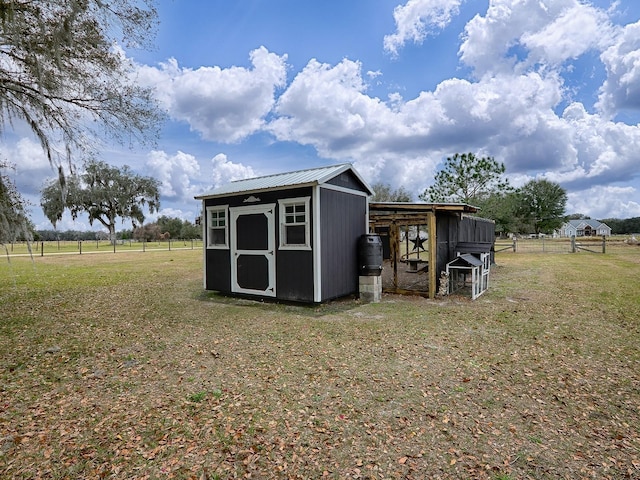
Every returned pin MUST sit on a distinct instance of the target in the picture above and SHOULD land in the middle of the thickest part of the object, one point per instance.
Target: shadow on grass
(313, 310)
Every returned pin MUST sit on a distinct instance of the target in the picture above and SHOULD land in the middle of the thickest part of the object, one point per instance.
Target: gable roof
(584, 222)
(280, 181)
(466, 259)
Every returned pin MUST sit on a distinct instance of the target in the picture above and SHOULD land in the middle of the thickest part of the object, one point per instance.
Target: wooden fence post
(604, 244)
(573, 244)
(394, 243)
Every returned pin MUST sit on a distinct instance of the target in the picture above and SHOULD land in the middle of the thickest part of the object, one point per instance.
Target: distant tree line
(166, 228)
(384, 193)
(625, 226)
(68, 235)
(151, 232)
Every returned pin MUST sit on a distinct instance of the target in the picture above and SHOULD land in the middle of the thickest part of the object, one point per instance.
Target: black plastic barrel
(369, 255)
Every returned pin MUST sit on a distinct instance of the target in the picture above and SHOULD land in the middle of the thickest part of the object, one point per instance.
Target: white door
(252, 237)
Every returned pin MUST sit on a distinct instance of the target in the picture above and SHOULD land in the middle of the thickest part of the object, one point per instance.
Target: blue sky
(551, 88)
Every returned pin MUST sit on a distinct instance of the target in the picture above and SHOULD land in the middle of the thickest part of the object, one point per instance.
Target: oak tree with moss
(64, 75)
(14, 223)
(104, 193)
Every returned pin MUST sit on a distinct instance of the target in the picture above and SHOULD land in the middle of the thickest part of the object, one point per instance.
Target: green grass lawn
(121, 366)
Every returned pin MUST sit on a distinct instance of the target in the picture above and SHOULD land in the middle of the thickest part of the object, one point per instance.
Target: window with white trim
(295, 221)
(217, 227)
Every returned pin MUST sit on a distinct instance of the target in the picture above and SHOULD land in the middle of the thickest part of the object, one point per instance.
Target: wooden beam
(433, 245)
(404, 291)
(404, 219)
(419, 208)
(394, 244)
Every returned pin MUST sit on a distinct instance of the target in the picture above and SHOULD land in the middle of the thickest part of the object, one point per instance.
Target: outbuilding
(426, 237)
(290, 236)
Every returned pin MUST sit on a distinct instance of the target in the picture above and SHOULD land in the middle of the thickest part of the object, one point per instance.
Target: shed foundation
(370, 288)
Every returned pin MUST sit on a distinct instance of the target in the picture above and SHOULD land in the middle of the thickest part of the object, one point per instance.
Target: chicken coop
(421, 239)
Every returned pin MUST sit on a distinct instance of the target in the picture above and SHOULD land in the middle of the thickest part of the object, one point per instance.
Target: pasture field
(121, 366)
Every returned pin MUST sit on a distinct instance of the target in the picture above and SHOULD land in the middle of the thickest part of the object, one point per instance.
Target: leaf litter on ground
(123, 367)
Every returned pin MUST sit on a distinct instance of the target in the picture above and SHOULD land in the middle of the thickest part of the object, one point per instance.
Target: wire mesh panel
(469, 273)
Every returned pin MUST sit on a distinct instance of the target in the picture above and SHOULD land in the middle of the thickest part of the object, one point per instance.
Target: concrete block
(370, 288)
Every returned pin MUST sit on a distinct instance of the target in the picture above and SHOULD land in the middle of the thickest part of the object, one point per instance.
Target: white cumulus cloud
(327, 107)
(176, 173)
(621, 89)
(222, 104)
(30, 162)
(416, 19)
(521, 53)
(532, 34)
(225, 171)
(606, 151)
(575, 30)
(605, 202)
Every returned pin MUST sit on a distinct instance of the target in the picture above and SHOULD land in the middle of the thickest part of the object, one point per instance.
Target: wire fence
(79, 247)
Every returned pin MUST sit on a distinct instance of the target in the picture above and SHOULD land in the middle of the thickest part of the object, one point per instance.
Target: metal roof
(465, 258)
(419, 208)
(308, 177)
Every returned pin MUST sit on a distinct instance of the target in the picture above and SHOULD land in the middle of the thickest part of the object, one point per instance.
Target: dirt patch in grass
(122, 367)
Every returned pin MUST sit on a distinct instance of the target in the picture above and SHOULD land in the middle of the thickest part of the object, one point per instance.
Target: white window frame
(282, 204)
(210, 210)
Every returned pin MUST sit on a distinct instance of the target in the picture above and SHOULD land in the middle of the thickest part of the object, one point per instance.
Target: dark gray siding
(348, 180)
(477, 230)
(294, 269)
(478, 235)
(218, 270)
(447, 228)
(294, 275)
(271, 196)
(343, 220)
(453, 229)
(217, 261)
